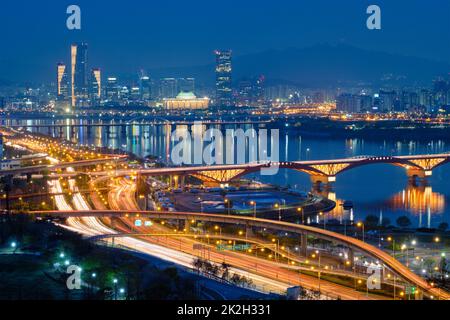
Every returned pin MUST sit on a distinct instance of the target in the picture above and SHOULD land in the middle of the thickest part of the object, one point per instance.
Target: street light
(115, 288)
(319, 273)
(405, 247)
(277, 206)
(361, 225)
(253, 203)
(14, 246)
(227, 204)
(300, 210)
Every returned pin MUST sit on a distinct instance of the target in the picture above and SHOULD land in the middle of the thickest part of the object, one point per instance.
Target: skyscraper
(112, 90)
(79, 83)
(96, 85)
(62, 103)
(62, 82)
(168, 88)
(145, 88)
(185, 85)
(224, 70)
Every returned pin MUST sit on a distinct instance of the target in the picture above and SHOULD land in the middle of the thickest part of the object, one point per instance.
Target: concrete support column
(182, 182)
(187, 225)
(304, 244)
(351, 257)
(248, 231)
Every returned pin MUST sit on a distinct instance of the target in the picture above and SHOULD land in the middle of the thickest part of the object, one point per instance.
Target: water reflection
(417, 200)
(375, 190)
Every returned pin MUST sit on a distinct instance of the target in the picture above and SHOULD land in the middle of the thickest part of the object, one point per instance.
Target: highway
(50, 167)
(122, 196)
(372, 251)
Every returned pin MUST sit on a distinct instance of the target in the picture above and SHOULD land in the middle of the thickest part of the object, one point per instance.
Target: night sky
(124, 36)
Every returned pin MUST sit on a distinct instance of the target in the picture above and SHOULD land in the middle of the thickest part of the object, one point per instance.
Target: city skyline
(160, 47)
(225, 151)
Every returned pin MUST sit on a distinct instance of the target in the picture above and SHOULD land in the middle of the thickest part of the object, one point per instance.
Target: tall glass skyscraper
(80, 74)
(62, 82)
(96, 85)
(224, 94)
(62, 103)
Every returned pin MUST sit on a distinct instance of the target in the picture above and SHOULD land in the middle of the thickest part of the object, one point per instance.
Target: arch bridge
(320, 171)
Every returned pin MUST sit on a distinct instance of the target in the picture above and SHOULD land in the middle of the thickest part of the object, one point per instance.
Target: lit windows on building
(186, 101)
(79, 68)
(224, 93)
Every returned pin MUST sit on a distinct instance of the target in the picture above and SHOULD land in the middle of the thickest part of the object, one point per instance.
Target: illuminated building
(62, 88)
(185, 101)
(224, 70)
(112, 90)
(348, 103)
(79, 83)
(1, 146)
(62, 81)
(145, 88)
(388, 99)
(96, 85)
(168, 88)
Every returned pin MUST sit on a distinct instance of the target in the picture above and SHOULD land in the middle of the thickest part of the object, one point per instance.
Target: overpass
(320, 171)
(62, 165)
(303, 230)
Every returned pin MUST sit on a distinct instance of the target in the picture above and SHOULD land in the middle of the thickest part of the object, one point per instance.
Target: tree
(225, 271)
(386, 222)
(198, 264)
(443, 226)
(403, 222)
(371, 221)
(429, 264)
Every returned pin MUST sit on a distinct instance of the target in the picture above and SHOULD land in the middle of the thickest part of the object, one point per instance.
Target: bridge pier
(418, 175)
(319, 180)
(72, 131)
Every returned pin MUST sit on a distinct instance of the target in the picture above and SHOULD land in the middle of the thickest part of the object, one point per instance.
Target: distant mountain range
(323, 65)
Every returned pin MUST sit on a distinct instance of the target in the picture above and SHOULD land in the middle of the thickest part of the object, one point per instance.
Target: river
(381, 190)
